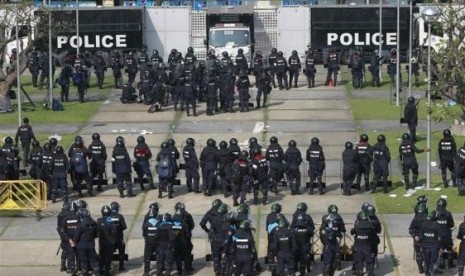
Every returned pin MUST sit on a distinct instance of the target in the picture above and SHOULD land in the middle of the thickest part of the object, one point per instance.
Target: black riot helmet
(405, 137)
(35, 144)
(446, 133)
(59, 150)
(171, 142)
(190, 50)
(190, 141)
(233, 141)
(47, 147)
(225, 54)
(95, 136)
(244, 155)
(280, 53)
(302, 206)
(381, 138)
(361, 216)
(154, 206)
(167, 217)
(83, 214)
(245, 225)
(82, 204)
(332, 209)
(411, 100)
(8, 140)
(252, 141)
(276, 207)
(223, 145)
(78, 141)
(216, 203)
(349, 145)
(442, 202)
(223, 209)
(292, 144)
(282, 222)
(258, 53)
(106, 211)
(179, 206)
(155, 52)
(174, 51)
(422, 199)
(274, 50)
(164, 145)
(114, 206)
(315, 141)
(273, 140)
(243, 209)
(66, 206)
(211, 142)
(240, 51)
(140, 139)
(363, 138)
(422, 208)
(120, 141)
(52, 141)
(294, 52)
(74, 206)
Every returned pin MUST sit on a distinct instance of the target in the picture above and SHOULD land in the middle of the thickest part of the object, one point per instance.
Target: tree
(448, 62)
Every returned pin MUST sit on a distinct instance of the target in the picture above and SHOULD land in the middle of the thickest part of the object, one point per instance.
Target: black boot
(121, 194)
(63, 265)
(160, 195)
(444, 180)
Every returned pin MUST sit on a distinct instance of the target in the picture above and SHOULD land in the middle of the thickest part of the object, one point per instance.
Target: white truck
(230, 37)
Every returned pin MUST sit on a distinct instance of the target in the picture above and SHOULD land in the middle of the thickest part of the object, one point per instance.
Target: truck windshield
(219, 38)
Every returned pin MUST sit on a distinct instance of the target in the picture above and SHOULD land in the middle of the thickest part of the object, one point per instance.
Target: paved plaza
(29, 247)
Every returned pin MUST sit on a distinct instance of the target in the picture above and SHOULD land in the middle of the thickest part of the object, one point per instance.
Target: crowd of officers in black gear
(432, 238)
(78, 231)
(229, 168)
(168, 239)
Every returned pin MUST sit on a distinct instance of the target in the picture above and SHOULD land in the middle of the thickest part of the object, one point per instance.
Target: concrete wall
(293, 30)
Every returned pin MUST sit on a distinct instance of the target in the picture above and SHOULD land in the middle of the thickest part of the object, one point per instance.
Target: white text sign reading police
(359, 39)
(92, 41)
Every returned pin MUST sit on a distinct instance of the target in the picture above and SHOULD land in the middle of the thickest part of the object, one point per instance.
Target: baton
(58, 250)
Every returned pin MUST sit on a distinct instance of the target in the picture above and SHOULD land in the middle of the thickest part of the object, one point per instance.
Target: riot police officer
(59, 166)
(116, 66)
(98, 156)
(375, 65)
(64, 244)
(447, 149)
(411, 117)
(271, 63)
(79, 170)
(333, 67)
(414, 230)
(259, 173)
(407, 152)
(220, 236)
(257, 65)
(212, 95)
(143, 154)
(68, 233)
(166, 170)
(274, 154)
(25, 135)
(149, 231)
(86, 233)
(45, 164)
(357, 66)
(364, 233)
(190, 59)
(459, 170)
(310, 69)
(294, 68)
(224, 167)
(164, 236)
(392, 69)
(142, 61)
(264, 87)
(365, 158)
(280, 67)
(429, 239)
(33, 64)
(381, 157)
(316, 164)
(445, 223)
(303, 227)
(461, 257)
(292, 159)
(121, 226)
(349, 167)
(337, 225)
(243, 249)
(242, 64)
(99, 67)
(208, 163)
(34, 160)
(243, 84)
(131, 67)
(106, 231)
(240, 177)
(189, 95)
(331, 238)
(155, 59)
(188, 225)
(121, 167)
(191, 162)
(284, 246)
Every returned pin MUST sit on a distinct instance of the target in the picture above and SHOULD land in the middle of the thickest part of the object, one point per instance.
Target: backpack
(57, 105)
(165, 167)
(78, 161)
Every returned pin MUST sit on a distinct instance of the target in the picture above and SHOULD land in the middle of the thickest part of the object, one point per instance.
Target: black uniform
(285, 247)
(274, 155)
(357, 66)
(164, 236)
(99, 67)
(293, 158)
(445, 223)
(191, 162)
(243, 250)
(143, 154)
(411, 117)
(68, 232)
(349, 169)
(64, 80)
(208, 163)
(407, 152)
(316, 166)
(429, 239)
(149, 230)
(85, 236)
(34, 161)
(59, 168)
(461, 257)
(365, 158)
(381, 157)
(330, 236)
(98, 156)
(374, 68)
(121, 166)
(260, 176)
(25, 135)
(128, 95)
(243, 84)
(264, 87)
(271, 63)
(294, 69)
(106, 231)
(459, 170)
(120, 223)
(280, 67)
(131, 67)
(303, 227)
(33, 64)
(333, 68)
(414, 231)
(117, 74)
(447, 149)
(240, 179)
(364, 233)
(310, 69)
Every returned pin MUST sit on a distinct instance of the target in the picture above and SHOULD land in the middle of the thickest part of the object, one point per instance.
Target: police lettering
(97, 41)
(357, 39)
(429, 235)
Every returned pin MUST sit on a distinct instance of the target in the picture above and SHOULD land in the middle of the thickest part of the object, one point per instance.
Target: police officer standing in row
(381, 158)
(429, 239)
(411, 117)
(461, 257)
(98, 156)
(121, 167)
(281, 67)
(316, 165)
(447, 149)
(310, 69)
(86, 233)
(414, 230)
(349, 167)
(25, 135)
(365, 158)
(106, 231)
(332, 64)
(407, 151)
(303, 227)
(459, 170)
(191, 162)
(294, 68)
(364, 233)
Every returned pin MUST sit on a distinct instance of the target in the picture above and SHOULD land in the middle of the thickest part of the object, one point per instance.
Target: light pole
(380, 48)
(50, 65)
(18, 73)
(77, 28)
(410, 49)
(430, 15)
(398, 55)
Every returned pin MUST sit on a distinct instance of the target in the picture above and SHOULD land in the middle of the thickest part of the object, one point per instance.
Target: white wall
(167, 28)
(293, 30)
